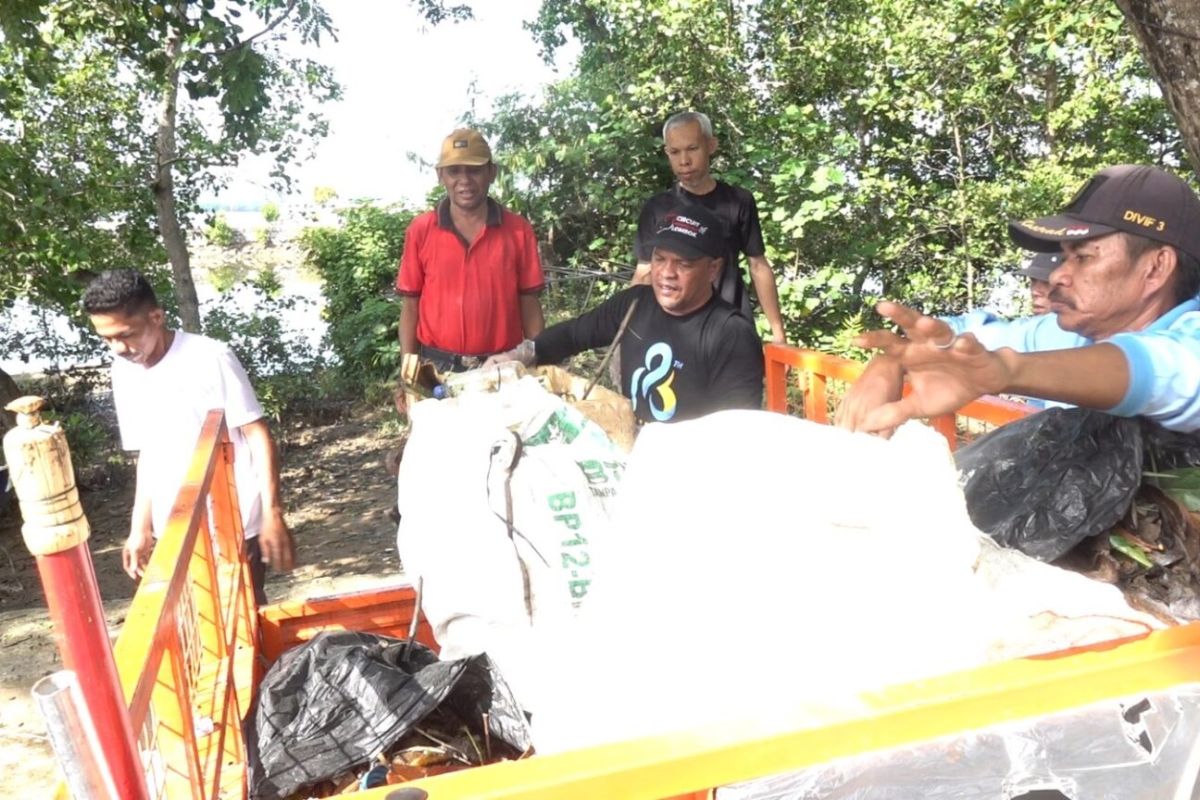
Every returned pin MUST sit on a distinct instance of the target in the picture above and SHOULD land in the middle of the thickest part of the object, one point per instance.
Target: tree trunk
(1169, 33)
(8, 392)
(164, 192)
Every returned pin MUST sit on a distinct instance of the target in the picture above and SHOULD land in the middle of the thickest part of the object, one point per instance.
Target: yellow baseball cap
(465, 146)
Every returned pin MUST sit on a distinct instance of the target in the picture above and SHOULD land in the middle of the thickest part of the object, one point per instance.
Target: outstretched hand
(524, 353)
(881, 383)
(944, 371)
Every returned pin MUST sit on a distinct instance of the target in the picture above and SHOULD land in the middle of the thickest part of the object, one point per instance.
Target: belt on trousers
(457, 361)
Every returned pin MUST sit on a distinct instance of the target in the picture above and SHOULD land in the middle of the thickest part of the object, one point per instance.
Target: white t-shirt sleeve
(130, 420)
(241, 406)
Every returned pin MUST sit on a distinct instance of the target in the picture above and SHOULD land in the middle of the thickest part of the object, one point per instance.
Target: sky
(406, 84)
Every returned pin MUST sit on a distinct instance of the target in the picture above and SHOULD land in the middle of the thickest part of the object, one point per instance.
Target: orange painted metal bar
(816, 402)
(385, 611)
(776, 380)
(186, 654)
(813, 370)
(692, 761)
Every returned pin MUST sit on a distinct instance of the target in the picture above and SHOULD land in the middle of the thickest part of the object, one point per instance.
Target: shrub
(89, 440)
(357, 264)
(270, 213)
(282, 362)
(220, 233)
(78, 399)
(226, 275)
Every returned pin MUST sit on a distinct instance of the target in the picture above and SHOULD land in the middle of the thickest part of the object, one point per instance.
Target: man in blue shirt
(1038, 270)
(1128, 283)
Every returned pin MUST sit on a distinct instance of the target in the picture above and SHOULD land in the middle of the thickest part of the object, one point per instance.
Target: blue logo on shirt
(653, 383)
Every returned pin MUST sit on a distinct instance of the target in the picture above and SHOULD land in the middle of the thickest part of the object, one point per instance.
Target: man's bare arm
(532, 319)
(1096, 376)
(763, 278)
(410, 312)
(139, 545)
(275, 539)
(944, 378)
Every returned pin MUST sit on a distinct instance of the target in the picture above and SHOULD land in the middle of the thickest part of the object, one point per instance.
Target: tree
(887, 141)
(72, 172)
(8, 393)
(72, 169)
(1168, 32)
(218, 80)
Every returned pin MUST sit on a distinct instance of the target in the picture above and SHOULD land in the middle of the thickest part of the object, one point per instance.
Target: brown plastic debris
(1170, 535)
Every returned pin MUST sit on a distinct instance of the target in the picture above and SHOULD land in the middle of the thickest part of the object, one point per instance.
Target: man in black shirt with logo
(689, 143)
(684, 352)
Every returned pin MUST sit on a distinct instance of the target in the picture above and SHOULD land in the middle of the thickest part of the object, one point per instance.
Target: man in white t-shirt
(164, 384)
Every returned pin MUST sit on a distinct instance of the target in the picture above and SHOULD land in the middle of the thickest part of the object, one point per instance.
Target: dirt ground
(338, 495)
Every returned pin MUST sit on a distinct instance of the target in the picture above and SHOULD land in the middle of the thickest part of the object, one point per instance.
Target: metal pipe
(73, 736)
(56, 533)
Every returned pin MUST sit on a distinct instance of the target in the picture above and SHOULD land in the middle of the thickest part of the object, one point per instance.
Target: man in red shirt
(470, 275)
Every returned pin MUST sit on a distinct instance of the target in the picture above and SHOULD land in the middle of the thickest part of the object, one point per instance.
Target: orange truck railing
(186, 655)
(190, 651)
(813, 371)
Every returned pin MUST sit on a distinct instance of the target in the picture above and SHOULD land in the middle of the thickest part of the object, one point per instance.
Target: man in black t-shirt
(689, 143)
(684, 352)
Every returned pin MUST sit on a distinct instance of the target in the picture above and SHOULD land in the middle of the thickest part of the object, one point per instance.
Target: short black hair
(121, 291)
(1187, 267)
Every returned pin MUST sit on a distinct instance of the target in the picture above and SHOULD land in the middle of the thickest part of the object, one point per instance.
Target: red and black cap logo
(690, 231)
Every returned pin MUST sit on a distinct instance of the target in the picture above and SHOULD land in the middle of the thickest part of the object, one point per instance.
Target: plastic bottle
(437, 391)
(483, 379)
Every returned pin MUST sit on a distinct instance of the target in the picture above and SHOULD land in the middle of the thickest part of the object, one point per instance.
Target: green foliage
(357, 263)
(324, 194)
(226, 275)
(283, 364)
(270, 213)
(437, 11)
(89, 440)
(81, 84)
(37, 336)
(71, 400)
(220, 233)
(73, 142)
(887, 142)
(1183, 486)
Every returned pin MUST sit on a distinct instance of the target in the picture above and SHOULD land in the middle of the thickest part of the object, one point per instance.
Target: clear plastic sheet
(1144, 746)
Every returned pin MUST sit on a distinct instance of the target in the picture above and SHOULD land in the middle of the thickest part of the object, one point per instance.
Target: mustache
(1056, 296)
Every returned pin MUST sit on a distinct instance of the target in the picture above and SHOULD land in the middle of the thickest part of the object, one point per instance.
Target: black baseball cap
(1144, 201)
(690, 231)
(1041, 265)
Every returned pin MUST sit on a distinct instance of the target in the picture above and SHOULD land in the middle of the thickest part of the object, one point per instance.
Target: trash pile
(602, 406)
(350, 710)
(504, 486)
(742, 565)
(505, 499)
(766, 568)
(1116, 499)
(1153, 552)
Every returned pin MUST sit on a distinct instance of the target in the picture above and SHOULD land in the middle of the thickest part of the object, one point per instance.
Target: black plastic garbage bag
(1047, 482)
(1169, 449)
(336, 701)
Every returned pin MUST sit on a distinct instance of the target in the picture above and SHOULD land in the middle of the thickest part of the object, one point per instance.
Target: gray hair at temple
(685, 117)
